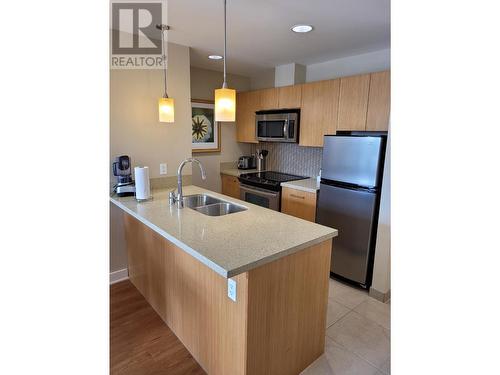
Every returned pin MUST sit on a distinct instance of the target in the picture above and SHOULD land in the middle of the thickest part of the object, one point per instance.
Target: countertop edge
(283, 254)
(297, 187)
(236, 172)
(215, 267)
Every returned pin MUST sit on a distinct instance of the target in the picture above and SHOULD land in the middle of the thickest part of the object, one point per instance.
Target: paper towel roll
(142, 188)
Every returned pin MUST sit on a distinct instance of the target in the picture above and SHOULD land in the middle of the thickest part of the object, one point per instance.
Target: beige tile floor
(357, 334)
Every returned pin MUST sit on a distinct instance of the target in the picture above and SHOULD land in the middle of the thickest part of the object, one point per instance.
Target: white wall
(382, 265)
(134, 126)
(136, 131)
(348, 66)
(262, 81)
(203, 84)
(289, 74)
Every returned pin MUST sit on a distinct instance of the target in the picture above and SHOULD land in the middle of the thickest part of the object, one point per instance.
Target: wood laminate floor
(357, 336)
(140, 342)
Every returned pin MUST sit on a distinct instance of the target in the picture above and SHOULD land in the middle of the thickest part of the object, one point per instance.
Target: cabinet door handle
(297, 196)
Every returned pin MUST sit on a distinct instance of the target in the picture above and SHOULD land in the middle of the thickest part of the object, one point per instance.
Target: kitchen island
(182, 260)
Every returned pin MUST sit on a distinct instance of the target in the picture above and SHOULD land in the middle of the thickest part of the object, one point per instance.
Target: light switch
(231, 289)
(163, 168)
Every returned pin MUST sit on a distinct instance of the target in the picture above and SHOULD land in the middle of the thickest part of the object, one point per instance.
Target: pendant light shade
(225, 104)
(225, 99)
(165, 104)
(166, 109)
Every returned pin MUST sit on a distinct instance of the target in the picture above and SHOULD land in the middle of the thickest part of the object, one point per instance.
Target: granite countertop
(229, 244)
(310, 185)
(236, 172)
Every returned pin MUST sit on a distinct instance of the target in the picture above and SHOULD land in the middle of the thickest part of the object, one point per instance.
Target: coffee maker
(123, 171)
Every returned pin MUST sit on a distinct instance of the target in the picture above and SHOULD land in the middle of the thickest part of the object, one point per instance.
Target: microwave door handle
(285, 129)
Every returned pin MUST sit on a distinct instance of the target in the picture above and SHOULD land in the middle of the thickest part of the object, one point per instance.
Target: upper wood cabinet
(246, 104)
(379, 102)
(290, 96)
(357, 103)
(318, 115)
(268, 99)
(353, 102)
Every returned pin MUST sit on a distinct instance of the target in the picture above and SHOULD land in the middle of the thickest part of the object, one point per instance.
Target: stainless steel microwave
(277, 125)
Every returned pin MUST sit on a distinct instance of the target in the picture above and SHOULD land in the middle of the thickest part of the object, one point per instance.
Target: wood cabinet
(230, 186)
(353, 102)
(299, 203)
(379, 102)
(246, 104)
(275, 326)
(357, 103)
(318, 116)
(145, 252)
(177, 286)
(290, 96)
(268, 99)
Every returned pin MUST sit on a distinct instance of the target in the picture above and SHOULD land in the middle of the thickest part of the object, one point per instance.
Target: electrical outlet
(231, 289)
(163, 168)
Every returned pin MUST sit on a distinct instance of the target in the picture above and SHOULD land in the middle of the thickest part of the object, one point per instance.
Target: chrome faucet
(178, 198)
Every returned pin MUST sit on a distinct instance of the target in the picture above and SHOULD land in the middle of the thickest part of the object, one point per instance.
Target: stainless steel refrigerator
(349, 196)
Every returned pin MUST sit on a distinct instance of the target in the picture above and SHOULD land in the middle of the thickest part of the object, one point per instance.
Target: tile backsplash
(291, 158)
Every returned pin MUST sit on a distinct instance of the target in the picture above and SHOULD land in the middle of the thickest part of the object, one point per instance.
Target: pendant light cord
(224, 84)
(165, 95)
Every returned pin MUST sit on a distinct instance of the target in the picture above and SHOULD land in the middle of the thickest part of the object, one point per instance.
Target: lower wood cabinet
(230, 186)
(299, 203)
(276, 325)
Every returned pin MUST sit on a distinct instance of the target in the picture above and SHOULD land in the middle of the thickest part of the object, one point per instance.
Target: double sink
(211, 206)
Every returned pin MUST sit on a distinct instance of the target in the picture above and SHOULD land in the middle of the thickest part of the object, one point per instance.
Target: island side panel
(146, 256)
(190, 298)
(287, 304)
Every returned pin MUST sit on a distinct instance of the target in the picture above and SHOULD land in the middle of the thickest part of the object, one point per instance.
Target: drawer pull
(297, 196)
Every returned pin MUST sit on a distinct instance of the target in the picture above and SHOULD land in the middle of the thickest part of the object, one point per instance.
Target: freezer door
(353, 160)
(351, 212)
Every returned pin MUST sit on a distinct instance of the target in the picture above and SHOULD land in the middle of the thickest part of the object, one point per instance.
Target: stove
(264, 188)
(268, 180)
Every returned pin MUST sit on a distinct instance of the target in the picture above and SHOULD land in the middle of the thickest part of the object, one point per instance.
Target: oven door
(261, 197)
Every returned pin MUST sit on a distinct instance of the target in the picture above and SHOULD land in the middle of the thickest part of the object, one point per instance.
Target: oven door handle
(252, 189)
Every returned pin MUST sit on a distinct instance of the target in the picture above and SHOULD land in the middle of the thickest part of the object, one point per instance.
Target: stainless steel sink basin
(197, 200)
(211, 206)
(219, 209)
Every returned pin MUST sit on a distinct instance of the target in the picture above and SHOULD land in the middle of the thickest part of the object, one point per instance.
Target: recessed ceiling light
(302, 28)
(215, 57)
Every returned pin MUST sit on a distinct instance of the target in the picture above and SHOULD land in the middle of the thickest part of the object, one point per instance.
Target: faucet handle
(172, 197)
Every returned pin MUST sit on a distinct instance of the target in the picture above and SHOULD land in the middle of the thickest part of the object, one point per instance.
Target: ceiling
(259, 35)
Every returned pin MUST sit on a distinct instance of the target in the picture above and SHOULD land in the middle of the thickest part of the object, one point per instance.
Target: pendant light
(165, 104)
(225, 99)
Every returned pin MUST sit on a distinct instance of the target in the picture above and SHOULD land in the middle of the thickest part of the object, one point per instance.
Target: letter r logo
(134, 29)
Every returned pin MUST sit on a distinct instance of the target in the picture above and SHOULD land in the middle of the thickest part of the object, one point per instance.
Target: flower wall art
(205, 131)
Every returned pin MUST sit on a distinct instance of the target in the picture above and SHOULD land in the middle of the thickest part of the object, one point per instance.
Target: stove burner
(268, 180)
